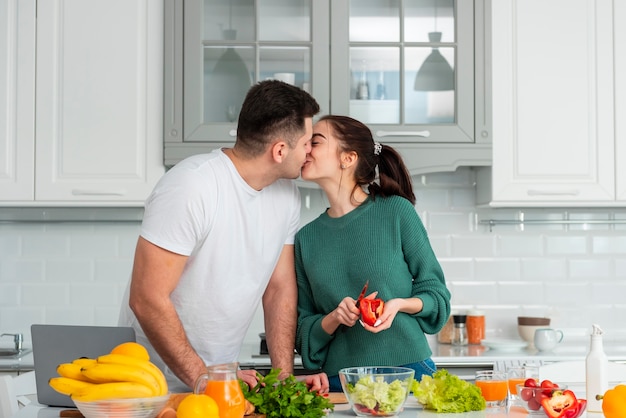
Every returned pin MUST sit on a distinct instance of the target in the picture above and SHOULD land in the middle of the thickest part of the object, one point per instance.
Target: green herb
(445, 392)
(285, 398)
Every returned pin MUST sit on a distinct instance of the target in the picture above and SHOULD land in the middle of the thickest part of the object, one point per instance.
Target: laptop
(56, 344)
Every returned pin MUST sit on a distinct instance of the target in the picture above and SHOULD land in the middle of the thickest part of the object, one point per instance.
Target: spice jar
(445, 335)
(475, 326)
(459, 333)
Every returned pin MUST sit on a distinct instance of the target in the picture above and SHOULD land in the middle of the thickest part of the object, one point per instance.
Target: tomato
(533, 404)
(530, 383)
(549, 387)
(526, 394)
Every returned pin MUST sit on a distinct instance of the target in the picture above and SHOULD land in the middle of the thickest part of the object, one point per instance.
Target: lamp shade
(435, 74)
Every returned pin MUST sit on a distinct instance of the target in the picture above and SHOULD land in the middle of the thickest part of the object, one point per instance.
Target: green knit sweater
(383, 241)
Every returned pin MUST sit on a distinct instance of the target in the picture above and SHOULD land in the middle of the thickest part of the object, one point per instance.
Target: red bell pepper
(562, 404)
(371, 309)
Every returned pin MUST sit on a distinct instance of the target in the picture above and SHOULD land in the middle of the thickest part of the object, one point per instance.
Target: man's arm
(280, 309)
(156, 273)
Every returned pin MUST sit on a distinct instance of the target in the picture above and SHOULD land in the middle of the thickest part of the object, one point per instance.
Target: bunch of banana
(122, 374)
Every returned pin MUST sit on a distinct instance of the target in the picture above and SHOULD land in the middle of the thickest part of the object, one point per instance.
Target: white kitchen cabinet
(619, 8)
(334, 49)
(91, 132)
(558, 76)
(17, 99)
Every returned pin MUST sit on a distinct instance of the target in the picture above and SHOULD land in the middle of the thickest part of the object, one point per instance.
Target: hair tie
(377, 148)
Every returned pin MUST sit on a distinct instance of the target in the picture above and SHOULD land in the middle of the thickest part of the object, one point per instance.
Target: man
(217, 239)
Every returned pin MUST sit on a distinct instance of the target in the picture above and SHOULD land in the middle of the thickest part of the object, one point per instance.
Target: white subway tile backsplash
(608, 245)
(72, 315)
(566, 245)
(45, 245)
(492, 269)
(544, 269)
(476, 245)
(521, 292)
(451, 221)
(22, 270)
(44, 294)
(457, 269)
(520, 245)
(472, 293)
(69, 270)
(588, 268)
(575, 274)
(608, 293)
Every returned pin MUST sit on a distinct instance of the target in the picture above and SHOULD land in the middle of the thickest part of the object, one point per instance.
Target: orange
(132, 349)
(198, 406)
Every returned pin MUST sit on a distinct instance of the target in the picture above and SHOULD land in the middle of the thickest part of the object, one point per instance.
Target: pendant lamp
(435, 74)
(230, 78)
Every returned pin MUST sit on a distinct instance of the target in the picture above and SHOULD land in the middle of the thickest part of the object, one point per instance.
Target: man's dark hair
(273, 109)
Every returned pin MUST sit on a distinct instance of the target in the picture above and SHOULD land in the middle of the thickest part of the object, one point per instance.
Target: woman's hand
(346, 313)
(392, 307)
(410, 306)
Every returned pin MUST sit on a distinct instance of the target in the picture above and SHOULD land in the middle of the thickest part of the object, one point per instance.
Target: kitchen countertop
(411, 409)
(444, 355)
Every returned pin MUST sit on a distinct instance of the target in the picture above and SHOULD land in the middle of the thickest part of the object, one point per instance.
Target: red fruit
(530, 383)
(526, 394)
(548, 387)
(533, 405)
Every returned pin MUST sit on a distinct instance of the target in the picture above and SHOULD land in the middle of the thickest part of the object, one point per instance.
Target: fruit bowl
(127, 408)
(376, 391)
(531, 397)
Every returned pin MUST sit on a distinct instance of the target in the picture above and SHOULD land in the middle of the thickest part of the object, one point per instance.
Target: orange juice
(493, 390)
(515, 381)
(229, 397)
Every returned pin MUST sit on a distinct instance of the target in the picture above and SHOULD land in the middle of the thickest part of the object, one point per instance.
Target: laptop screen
(56, 344)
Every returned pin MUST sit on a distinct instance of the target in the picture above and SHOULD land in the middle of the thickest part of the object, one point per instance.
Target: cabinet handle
(79, 192)
(573, 192)
(423, 134)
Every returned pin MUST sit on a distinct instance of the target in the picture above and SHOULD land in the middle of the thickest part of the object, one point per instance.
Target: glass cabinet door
(410, 67)
(227, 47)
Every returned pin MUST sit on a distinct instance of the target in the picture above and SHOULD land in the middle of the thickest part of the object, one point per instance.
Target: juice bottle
(222, 385)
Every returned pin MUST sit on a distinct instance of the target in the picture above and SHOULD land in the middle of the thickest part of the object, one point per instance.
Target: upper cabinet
(559, 92)
(413, 70)
(81, 120)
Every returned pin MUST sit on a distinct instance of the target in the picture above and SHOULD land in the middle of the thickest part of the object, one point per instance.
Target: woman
(370, 233)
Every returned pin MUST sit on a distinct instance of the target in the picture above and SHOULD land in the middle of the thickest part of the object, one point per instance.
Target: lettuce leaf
(378, 395)
(445, 392)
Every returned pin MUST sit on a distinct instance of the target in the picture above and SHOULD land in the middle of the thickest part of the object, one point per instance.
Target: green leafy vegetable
(445, 392)
(285, 398)
(375, 396)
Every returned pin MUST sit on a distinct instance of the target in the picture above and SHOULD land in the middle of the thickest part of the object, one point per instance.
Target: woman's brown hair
(394, 177)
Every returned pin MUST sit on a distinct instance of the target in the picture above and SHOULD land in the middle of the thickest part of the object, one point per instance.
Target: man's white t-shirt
(233, 235)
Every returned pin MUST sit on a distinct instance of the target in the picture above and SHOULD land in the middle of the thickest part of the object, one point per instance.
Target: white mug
(289, 78)
(547, 338)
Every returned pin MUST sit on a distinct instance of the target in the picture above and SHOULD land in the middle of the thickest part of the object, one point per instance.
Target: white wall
(75, 273)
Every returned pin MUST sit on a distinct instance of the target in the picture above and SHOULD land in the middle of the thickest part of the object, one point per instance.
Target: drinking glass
(220, 383)
(518, 375)
(493, 386)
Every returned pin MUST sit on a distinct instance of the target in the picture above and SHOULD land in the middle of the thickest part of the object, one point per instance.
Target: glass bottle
(596, 364)
(459, 333)
(475, 326)
(362, 88)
